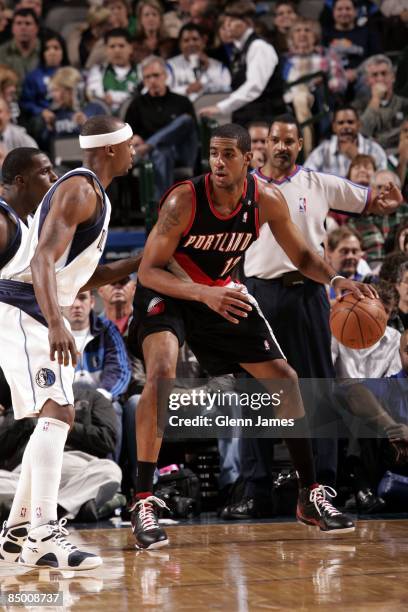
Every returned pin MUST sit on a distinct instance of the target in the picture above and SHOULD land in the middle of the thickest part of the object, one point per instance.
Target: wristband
(333, 278)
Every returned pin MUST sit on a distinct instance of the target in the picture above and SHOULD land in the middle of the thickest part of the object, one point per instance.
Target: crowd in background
(340, 66)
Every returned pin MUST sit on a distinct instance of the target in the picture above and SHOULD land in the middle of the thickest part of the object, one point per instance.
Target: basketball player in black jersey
(185, 292)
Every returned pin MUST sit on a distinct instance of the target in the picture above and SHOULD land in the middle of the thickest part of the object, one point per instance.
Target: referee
(297, 308)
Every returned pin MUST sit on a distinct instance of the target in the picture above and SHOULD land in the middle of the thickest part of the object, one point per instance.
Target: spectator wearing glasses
(384, 111)
(336, 153)
(163, 124)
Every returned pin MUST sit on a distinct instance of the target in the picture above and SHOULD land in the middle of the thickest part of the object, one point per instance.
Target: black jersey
(213, 244)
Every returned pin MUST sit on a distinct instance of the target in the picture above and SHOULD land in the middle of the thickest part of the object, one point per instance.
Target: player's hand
(62, 342)
(359, 290)
(387, 201)
(397, 433)
(227, 302)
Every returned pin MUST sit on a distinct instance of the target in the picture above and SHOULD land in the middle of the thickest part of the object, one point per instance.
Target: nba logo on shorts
(45, 378)
(266, 345)
(244, 217)
(46, 426)
(38, 512)
(23, 511)
(302, 204)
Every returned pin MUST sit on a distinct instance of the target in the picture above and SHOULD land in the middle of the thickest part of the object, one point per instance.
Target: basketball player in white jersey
(58, 256)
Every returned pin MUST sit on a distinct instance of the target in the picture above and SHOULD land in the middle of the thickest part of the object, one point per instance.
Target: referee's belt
(291, 279)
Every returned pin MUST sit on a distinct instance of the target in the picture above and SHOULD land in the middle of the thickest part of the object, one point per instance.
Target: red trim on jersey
(212, 207)
(195, 272)
(193, 208)
(168, 192)
(256, 195)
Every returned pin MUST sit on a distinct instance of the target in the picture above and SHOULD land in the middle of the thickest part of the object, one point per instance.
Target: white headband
(110, 138)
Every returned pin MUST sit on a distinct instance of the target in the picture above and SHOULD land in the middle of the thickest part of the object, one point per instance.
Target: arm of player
(274, 211)
(73, 203)
(174, 218)
(112, 272)
(7, 230)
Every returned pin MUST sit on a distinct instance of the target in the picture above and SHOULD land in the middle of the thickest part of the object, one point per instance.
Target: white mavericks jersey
(77, 264)
(310, 195)
(17, 244)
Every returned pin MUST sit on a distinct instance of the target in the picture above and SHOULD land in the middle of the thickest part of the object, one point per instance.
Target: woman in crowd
(151, 37)
(69, 111)
(35, 101)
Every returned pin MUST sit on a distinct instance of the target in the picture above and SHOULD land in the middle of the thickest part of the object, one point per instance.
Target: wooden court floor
(237, 567)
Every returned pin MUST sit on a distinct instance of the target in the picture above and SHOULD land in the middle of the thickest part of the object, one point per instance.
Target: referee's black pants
(299, 317)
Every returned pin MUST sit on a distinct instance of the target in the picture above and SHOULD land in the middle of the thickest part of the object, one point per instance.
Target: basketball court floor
(239, 567)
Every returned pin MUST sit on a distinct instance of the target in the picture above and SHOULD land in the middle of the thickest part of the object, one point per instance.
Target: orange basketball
(357, 323)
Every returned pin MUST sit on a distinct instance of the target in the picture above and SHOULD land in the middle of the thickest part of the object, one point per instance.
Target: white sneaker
(12, 540)
(46, 546)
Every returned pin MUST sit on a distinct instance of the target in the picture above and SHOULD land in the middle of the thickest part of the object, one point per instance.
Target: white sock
(21, 509)
(47, 449)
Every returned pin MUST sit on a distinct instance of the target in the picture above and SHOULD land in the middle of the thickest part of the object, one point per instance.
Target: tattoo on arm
(168, 219)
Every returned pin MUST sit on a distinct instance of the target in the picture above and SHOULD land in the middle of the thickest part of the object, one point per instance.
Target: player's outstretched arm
(274, 210)
(73, 203)
(112, 272)
(174, 219)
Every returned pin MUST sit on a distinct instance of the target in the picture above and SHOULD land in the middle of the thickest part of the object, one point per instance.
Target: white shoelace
(147, 515)
(60, 533)
(318, 498)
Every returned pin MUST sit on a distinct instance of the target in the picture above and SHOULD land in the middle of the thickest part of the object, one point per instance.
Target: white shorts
(25, 361)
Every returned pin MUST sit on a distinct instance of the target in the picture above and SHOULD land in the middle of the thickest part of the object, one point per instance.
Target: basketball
(358, 324)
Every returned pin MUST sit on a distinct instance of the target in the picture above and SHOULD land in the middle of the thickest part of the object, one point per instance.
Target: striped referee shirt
(310, 196)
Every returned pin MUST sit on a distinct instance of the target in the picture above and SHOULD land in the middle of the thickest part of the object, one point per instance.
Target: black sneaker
(314, 508)
(145, 524)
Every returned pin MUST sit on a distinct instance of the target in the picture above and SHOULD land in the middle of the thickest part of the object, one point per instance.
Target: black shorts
(220, 346)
